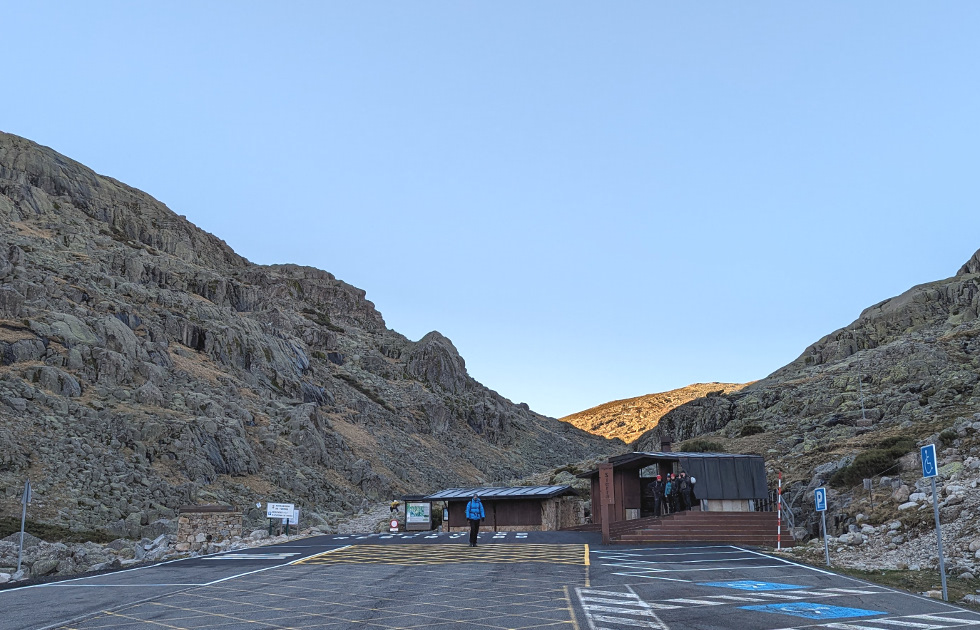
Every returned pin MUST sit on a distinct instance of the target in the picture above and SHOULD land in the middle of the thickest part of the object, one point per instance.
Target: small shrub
(52, 533)
(947, 436)
(750, 429)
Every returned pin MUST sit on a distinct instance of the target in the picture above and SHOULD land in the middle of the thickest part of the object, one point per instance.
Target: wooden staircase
(735, 528)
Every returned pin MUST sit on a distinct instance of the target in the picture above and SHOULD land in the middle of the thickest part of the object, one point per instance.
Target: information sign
(929, 467)
(820, 499)
(294, 518)
(279, 510)
(418, 512)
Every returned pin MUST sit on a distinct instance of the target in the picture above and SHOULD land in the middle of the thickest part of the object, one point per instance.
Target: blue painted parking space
(705, 587)
(815, 611)
(749, 585)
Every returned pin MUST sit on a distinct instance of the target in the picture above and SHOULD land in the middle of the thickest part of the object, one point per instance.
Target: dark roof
(497, 494)
(642, 459)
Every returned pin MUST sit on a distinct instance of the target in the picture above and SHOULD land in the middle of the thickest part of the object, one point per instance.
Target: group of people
(667, 494)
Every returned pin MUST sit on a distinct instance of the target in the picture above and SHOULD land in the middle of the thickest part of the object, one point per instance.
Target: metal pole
(939, 538)
(20, 551)
(826, 546)
(779, 513)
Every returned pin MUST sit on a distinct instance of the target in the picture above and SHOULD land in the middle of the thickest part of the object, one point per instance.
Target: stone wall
(562, 512)
(199, 525)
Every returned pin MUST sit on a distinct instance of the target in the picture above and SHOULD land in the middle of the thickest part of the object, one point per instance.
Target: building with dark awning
(726, 482)
(523, 508)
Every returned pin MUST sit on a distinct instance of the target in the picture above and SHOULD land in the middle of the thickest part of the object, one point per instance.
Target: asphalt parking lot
(511, 581)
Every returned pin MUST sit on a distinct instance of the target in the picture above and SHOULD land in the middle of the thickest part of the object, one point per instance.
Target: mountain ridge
(144, 364)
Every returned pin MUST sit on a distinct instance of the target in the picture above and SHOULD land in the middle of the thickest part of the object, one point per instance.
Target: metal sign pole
(826, 546)
(939, 538)
(23, 521)
(930, 469)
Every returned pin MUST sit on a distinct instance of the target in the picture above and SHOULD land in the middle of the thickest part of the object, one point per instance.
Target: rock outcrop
(145, 365)
(907, 367)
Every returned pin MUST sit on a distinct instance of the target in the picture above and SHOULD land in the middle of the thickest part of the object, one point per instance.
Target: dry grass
(12, 331)
(198, 366)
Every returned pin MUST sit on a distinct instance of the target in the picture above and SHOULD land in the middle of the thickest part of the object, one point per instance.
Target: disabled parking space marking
(810, 610)
(749, 585)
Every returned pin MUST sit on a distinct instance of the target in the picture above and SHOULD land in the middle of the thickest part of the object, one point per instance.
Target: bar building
(726, 482)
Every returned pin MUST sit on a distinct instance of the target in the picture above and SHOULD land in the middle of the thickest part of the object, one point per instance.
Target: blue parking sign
(820, 499)
(929, 466)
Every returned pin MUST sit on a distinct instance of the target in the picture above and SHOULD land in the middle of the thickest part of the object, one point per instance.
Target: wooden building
(726, 482)
(526, 508)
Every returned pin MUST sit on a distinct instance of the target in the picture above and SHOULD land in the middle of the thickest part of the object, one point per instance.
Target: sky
(594, 201)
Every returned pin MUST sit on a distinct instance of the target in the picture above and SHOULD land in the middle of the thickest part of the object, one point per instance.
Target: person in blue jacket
(475, 514)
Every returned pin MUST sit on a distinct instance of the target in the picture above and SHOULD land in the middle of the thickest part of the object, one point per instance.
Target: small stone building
(200, 525)
(520, 509)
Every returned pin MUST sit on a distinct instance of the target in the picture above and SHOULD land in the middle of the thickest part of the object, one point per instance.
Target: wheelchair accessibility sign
(929, 467)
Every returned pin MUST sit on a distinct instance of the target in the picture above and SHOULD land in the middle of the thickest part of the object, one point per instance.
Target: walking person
(475, 514)
(668, 487)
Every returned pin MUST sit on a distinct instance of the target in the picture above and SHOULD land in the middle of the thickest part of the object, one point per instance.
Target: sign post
(930, 470)
(23, 520)
(820, 502)
(607, 497)
(279, 510)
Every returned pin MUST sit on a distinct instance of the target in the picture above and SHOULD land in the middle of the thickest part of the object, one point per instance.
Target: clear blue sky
(592, 200)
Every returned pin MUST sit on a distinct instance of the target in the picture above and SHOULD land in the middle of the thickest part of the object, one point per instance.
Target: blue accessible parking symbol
(751, 585)
(814, 611)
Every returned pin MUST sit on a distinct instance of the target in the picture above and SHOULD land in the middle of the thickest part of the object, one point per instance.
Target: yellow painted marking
(450, 554)
(571, 611)
(586, 555)
(302, 560)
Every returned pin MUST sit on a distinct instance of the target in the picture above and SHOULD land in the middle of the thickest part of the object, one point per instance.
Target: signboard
(418, 513)
(279, 510)
(607, 494)
(394, 525)
(929, 466)
(294, 518)
(820, 499)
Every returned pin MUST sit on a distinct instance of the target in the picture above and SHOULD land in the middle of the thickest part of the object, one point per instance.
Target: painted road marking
(814, 611)
(450, 554)
(252, 556)
(749, 585)
(920, 622)
(616, 609)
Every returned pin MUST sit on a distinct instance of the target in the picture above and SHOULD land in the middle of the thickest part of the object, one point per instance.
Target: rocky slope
(144, 365)
(629, 418)
(908, 367)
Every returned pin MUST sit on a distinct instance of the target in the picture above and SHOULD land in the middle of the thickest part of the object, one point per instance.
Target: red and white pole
(779, 513)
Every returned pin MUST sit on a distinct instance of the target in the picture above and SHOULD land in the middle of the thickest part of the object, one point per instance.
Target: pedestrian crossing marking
(449, 554)
(629, 611)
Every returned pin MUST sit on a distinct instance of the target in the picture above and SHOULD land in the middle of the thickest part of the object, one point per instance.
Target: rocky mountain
(906, 372)
(629, 418)
(145, 365)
